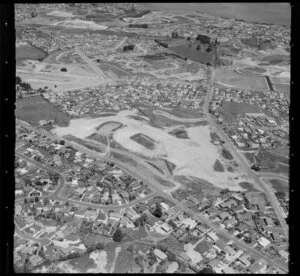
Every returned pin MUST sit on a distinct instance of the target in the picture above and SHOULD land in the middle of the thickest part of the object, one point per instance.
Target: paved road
(243, 162)
(25, 236)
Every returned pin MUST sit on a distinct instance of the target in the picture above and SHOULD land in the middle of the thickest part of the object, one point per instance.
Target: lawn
(172, 244)
(36, 108)
(124, 261)
(28, 52)
(231, 110)
(229, 77)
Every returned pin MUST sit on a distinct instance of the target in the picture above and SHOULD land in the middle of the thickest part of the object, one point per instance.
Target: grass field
(156, 167)
(229, 77)
(279, 186)
(124, 158)
(164, 182)
(247, 186)
(191, 52)
(218, 166)
(124, 261)
(194, 186)
(36, 108)
(25, 52)
(231, 110)
(172, 244)
(143, 140)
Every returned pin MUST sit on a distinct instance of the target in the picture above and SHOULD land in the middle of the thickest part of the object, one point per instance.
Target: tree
(118, 235)
(18, 80)
(46, 201)
(198, 48)
(206, 270)
(36, 199)
(25, 200)
(158, 211)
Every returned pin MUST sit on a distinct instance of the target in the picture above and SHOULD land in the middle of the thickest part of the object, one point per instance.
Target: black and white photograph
(152, 138)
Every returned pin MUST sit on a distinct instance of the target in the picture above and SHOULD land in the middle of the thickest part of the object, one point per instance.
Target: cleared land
(193, 157)
(36, 108)
(228, 77)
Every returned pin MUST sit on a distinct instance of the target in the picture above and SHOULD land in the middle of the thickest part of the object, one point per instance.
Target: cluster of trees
(141, 221)
(203, 39)
(157, 211)
(24, 85)
(138, 25)
(128, 47)
(161, 43)
(93, 247)
(175, 35)
(63, 69)
(118, 235)
(70, 256)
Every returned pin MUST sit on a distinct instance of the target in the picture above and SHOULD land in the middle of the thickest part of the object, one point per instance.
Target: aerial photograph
(152, 138)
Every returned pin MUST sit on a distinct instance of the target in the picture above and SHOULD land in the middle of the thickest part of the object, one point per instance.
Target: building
(159, 254)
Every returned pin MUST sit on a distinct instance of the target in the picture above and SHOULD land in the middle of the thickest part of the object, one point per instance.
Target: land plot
(172, 244)
(124, 261)
(191, 53)
(226, 154)
(231, 110)
(25, 52)
(36, 108)
(192, 186)
(280, 186)
(258, 70)
(218, 166)
(179, 133)
(164, 182)
(247, 186)
(144, 140)
(229, 77)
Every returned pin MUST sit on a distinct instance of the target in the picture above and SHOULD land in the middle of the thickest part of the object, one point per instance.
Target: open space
(25, 52)
(36, 108)
(228, 77)
(192, 157)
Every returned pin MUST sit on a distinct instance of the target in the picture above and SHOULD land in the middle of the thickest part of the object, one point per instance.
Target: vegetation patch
(143, 140)
(231, 110)
(226, 154)
(25, 52)
(194, 186)
(230, 77)
(218, 166)
(248, 186)
(171, 167)
(156, 167)
(164, 182)
(172, 244)
(230, 169)
(36, 108)
(123, 158)
(124, 261)
(179, 133)
(279, 186)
